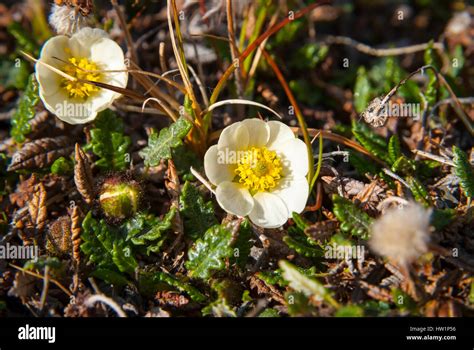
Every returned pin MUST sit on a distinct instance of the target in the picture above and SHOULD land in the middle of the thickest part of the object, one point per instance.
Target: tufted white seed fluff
(66, 20)
(402, 235)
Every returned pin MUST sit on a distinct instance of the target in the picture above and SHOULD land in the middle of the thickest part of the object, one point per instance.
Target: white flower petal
(259, 132)
(294, 192)
(215, 167)
(233, 138)
(294, 157)
(279, 133)
(82, 42)
(54, 54)
(108, 55)
(269, 210)
(234, 198)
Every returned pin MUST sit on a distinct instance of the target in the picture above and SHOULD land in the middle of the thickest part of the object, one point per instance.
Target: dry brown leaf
(83, 175)
(23, 286)
(76, 222)
(37, 207)
(59, 241)
(40, 153)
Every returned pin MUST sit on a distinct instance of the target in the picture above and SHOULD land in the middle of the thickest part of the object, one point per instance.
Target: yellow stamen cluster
(259, 169)
(81, 69)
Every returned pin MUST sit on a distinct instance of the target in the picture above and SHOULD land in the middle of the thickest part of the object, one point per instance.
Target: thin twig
(433, 157)
(107, 301)
(369, 50)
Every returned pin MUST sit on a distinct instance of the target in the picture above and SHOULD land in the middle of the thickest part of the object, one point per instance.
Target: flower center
(259, 169)
(80, 68)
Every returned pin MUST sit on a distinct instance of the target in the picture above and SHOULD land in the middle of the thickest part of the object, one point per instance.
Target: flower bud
(119, 198)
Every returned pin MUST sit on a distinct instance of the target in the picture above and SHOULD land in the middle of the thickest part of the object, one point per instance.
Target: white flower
(402, 235)
(259, 169)
(66, 20)
(81, 56)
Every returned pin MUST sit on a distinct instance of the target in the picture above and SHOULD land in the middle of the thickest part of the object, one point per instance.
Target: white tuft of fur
(66, 21)
(402, 235)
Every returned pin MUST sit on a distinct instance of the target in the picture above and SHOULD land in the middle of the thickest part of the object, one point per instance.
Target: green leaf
(109, 143)
(302, 247)
(309, 56)
(432, 88)
(198, 215)
(106, 247)
(161, 144)
(362, 90)
(471, 293)
(403, 301)
(419, 191)
(25, 111)
(62, 166)
(146, 229)
(52, 262)
(374, 143)
(243, 244)
(300, 222)
(394, 149)
(457, 61)
(110, 276)
(269, 313)
(353, 219)
(23, 40)
(442, 218)
(208, 253)
(463, 169)
(308, 286)
(14, 74)
(181, 285)
(219, 308)
(350, 311)
(362, 164)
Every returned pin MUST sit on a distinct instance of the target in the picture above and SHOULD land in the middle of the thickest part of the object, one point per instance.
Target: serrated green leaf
(302, 248)
(353, 220)
(106, 247)
(109, 143)
(181, 285)
(243, 244)
(362, 90)
(463, 170)
(308, 286)
(374, 143)
(208, 253)
(161, 144)
(418, 190)
(198, 215)
(394, 149)
(300, 222)
(110, 276)
(62, 166)
(25, 111)
(147, 230)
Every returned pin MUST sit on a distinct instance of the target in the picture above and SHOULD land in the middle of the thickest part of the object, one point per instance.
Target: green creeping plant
(109, 143)
(160, 145)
